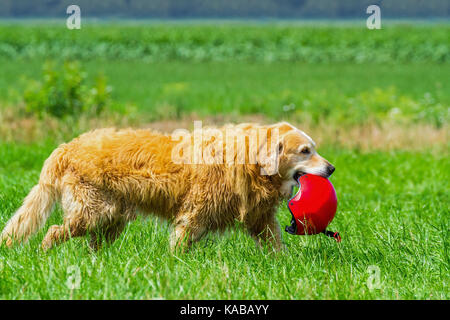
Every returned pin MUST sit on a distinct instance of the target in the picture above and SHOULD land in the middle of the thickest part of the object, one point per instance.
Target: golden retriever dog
(105, 177)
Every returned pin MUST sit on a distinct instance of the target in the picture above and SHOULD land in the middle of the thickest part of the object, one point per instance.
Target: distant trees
(225, 8)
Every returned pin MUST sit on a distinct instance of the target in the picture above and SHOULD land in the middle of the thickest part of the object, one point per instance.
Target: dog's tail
(36, 207)
(30, 217)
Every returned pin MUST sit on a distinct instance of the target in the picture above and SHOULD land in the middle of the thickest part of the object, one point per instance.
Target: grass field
(393, 211)
(393, 215)
(216, 41)
(310, 92)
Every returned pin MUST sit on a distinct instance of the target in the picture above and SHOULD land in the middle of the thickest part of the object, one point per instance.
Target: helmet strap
(332, 234)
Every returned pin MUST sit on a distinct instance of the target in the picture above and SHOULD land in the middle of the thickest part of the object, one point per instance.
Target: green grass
(393, 214)
(393, 210)
(341, 93)
(408, 42)
(341, 73)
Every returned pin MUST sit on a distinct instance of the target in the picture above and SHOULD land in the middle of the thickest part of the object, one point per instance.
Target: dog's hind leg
(86, 210)
(108, 233)
(77, 215)
(111, 231)
(58, 234)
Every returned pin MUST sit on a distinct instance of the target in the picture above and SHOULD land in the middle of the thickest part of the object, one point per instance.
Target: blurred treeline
(226, 8)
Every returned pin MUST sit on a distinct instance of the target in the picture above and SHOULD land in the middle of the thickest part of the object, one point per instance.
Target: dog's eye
(305, 150)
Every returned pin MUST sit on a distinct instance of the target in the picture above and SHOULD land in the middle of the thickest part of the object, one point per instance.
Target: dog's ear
(270, 149)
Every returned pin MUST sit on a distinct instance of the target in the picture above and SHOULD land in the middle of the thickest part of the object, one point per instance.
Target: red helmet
(313, 207)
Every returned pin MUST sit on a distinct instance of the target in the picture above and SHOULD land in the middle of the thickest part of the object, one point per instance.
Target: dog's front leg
(187, 231)
(268, 231)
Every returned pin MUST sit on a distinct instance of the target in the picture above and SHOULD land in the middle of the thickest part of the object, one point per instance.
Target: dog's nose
(330, 169)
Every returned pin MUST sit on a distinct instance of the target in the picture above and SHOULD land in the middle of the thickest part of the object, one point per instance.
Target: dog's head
(297, 155)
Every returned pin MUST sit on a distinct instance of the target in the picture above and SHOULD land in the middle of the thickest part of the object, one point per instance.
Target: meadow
(377, 104)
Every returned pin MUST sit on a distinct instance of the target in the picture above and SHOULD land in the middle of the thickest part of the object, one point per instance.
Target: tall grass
(392, 214)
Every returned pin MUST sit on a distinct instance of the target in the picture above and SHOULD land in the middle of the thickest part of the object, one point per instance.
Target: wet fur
(105, 177)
